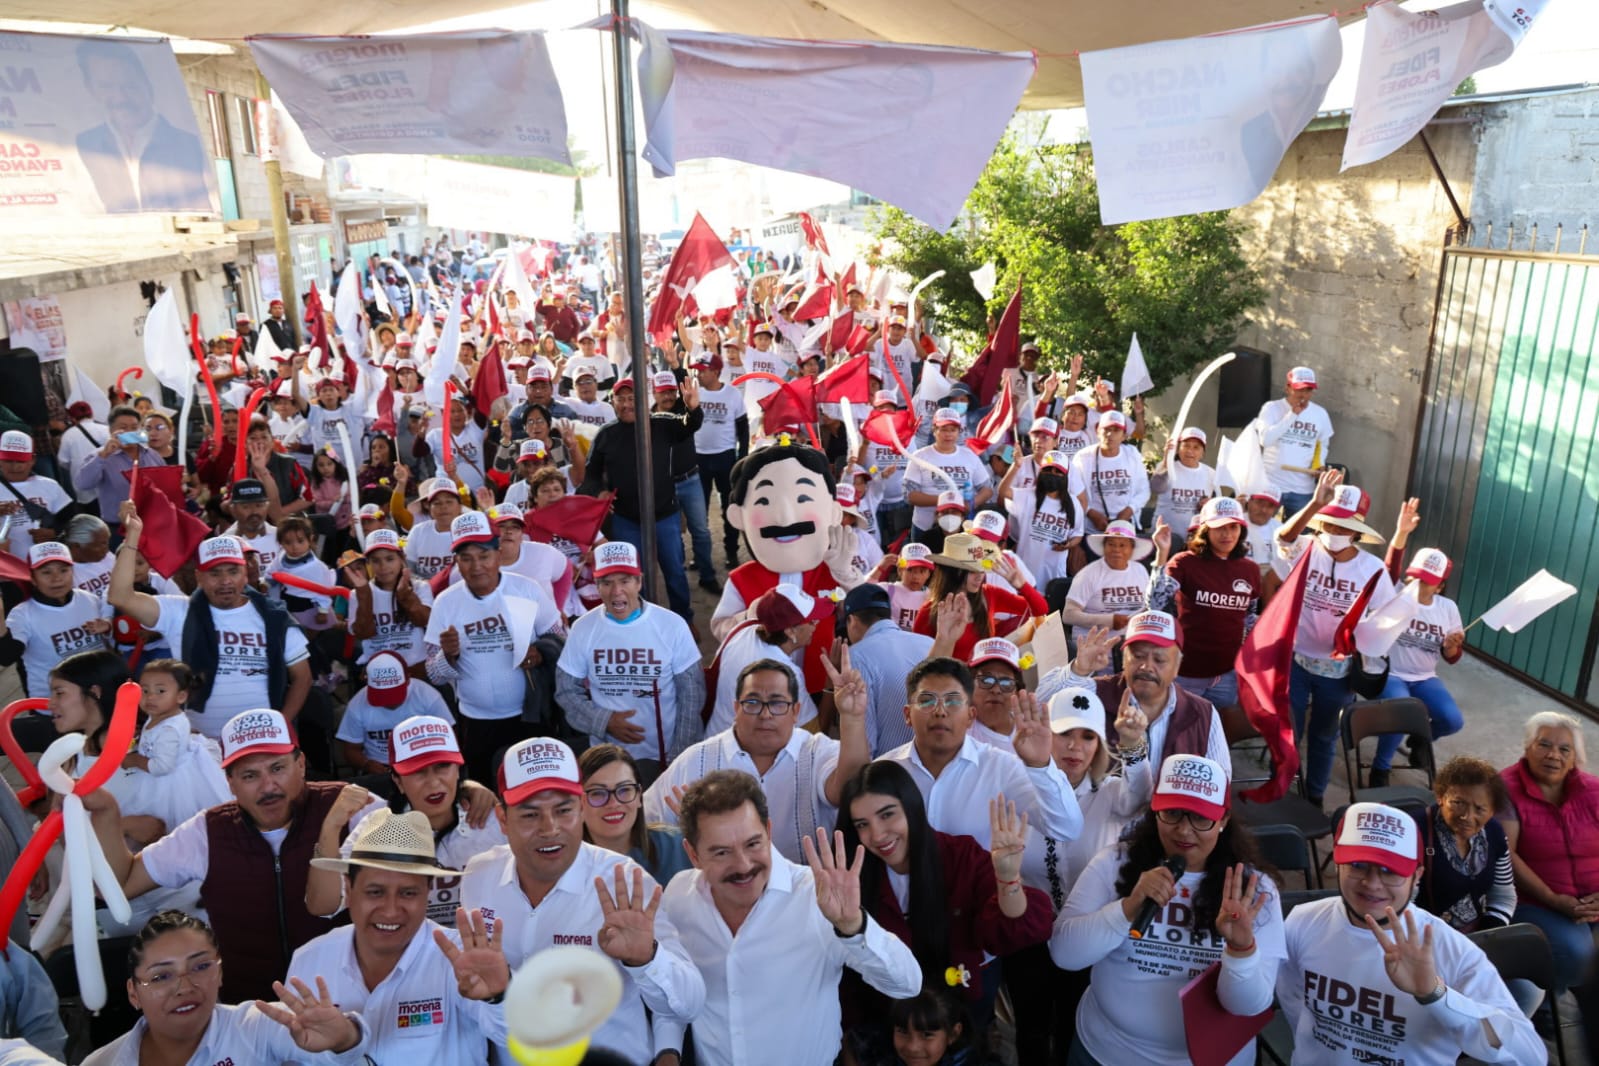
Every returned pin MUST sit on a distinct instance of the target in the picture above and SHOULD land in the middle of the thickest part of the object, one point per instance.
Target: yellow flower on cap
(958, 977)
(872, 470)
(988, 564)
(1026, 661)
(836, 595)
(784, 440)
(402, 543)
(383, 481)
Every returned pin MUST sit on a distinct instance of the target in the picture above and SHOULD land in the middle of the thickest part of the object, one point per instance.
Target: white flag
(1535, 595)
(166, 348)
(983, 281)
(1135, 374)
(1246, 466)
(515, 279)
(716, 290)
(84, 390)
(445, 358)
(1224, 475)
(1180, 127)
(347, 311)
(265, 349)
(1376, 633)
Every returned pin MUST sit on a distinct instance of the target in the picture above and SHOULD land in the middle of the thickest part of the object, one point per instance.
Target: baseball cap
(996, 649)
(1301, 377)
(897, 320)
(470, 527)
(1192, 433)
(1429, 565)
(525, 335)
(1191, 783)
(383, 540)
(386, 680)
(404, 340)
(423, 740)
(1077, 399)
(616, 557)
(1077, 708)
(532, 448)
(369, 512)
(1055, 461)
(505, 512)
(214, 551)
(766, 327)
(436, 486)
(404, 364)
(950, 500)
(1153, 627)
(259, 732)
(540, 764)
(15, 445)
(845, 495)
(787, 606)
(869, 596)
(1045, 425)
(50, 551)
(241, 317)
(990, 525)
(947, 416)
(1378, 833)
(665, 381)
(625, 383)
(1221, 510)
(885, 397)
(1265, 494)
(916, 555)
(705, 361)
(248, 490)
(1113, 419)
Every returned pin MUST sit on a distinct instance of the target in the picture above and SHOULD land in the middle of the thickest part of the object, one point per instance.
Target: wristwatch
(1435, 995)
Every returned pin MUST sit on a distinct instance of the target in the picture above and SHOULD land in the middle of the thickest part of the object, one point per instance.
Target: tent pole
(633, 289)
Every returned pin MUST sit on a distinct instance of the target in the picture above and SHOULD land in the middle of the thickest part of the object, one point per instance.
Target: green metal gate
(1506, 459)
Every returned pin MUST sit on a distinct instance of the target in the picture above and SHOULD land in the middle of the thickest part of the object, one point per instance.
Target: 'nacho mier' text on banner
(480, 91)
(1200, 124)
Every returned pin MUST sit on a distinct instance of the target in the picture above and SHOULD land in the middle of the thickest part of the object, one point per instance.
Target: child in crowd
(330, 493)
(313, 611)
(915, 565)
(176, 771)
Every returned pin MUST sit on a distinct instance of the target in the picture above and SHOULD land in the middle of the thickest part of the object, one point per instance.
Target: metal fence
(1506, 456)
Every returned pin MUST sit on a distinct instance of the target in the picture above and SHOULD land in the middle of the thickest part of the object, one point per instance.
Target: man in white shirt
(426, 995)
(83, 438)
(772, 956)
(247, 498)
(949, 454)
(33, 503)
(542, 885)
(720, 438)
(801, 773)
(1295, 435)
(957, 775)
(587, 407)
(1113, 484)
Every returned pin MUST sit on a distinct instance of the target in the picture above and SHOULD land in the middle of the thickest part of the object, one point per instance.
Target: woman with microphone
(1185, 891)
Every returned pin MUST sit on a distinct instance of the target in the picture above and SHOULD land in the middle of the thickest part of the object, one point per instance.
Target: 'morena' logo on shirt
(413, 1013)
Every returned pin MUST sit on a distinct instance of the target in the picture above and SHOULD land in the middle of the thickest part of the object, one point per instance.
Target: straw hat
(402, 843)
(965, 551)
(1346, 513)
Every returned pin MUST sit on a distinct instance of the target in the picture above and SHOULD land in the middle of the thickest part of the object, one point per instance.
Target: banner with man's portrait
(97, 125)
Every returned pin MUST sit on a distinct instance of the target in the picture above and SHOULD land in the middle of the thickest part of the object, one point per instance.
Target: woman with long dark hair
(1192, 875)
(962, 573)
(950, 900)
(1048, 525)
(613, 813)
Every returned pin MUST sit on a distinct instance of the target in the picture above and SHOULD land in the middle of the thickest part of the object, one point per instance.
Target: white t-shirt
(496, 632)
(868, 553)
(541, 564)
(428, 548)
(322, 427)
(49, 634)
(467, 447)
(1098, 589)
(741, 649)
(722, 407)
(1110, 483)
(242, 657)
(596, 364)
(630, 666)
(1073, 441)
(597, 413)
(45, 492)
(906, 603)
(1038, 529)
(394, 630)
(890, 471)
(1414, 656)
(1263, 542)
(78, 443)
(266, 544)
(904, 354)
(1288, 439)
(1331, 588)
(289, 432)
(1185, 493)
(970, 474)
(94, 578)
(370, 726)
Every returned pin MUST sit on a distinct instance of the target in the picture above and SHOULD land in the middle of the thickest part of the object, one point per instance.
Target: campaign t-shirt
(322, 426)
(1214, 597)
(242, 659)
(94, 578)
(49, 634)
(1185, 493)
(369, 725)
(42, 491)
(467, 448)
(969, 473)
(1414, 656)
(903, 354)
(598, 365)
(1073, 441)
(630, 666)
(1331, 589)
(1288, 439)
(1263, 542)
(428, 549)
(266, 544)
(597, 413)
(868, 553)
(722, 408)
(1098, 589)
(905, 603)
(496, 632)
(890, 475)
(1110, 484)
(1037, 530)
(395, 632)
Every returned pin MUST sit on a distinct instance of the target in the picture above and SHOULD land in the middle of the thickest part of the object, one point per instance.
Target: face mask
(1009, 454)
(136, 436)
(949, 523)
(958, 408)
(1335, 542)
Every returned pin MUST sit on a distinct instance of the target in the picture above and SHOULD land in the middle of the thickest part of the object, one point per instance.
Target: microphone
(1145, 917)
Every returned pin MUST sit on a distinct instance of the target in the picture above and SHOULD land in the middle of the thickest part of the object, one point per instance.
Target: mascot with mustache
(782, 500)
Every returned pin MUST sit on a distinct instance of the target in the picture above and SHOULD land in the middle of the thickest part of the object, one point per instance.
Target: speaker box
(21, 387)
(1245, 385)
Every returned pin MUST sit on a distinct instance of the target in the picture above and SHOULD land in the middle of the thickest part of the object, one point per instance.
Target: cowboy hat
(1346, 513)
(402, 843)
(966, 551)
(1141, 547)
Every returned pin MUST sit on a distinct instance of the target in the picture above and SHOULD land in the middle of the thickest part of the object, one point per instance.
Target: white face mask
(949, 523)
(1335, 542)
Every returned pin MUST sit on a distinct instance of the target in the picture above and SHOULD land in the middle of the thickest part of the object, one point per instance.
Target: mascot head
(782, 501)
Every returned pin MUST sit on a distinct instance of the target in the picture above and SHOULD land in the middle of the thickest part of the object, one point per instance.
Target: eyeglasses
(625, 793)
(1171, 816)
(951, 701)
(165, 981)
(1360, 871)
(1004, 684)
(776, 708)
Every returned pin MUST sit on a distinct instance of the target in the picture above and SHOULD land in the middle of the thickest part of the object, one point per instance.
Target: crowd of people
(411, 716)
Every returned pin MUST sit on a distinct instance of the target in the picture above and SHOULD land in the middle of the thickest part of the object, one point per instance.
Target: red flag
(816, 301)
(845, 282)
(168, 479)
(814, 237)
(489, 384)
(316, 324)
(1002, 353)
(170, 535)
(574, 518)
(859, 338)
(997, 422)
(838, 336)
(701, 253)
(791, 407)
(384, 422)
(14, 569)
(1344, 637)
(1264, 663)
(883, 427)
(845, 382)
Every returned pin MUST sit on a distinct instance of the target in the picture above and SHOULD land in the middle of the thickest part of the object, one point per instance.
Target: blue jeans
(1318, 702)
(1441, 709)
(1221, 691)
(1293, 503)
(716, 472)
(691, 504)
(668, 554)
(1570, 942)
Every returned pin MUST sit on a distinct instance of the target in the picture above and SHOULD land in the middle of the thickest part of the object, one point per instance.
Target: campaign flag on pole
(171, 535)
(169, 479)
(997, 423)
(1135, 372)
(1539, 593)
(891, 429)
(846, 382)
(983, 280)
(814, 237)
(166, 349)
(15, 570)
(383, 421)
(265, 349)
(574, 518)
(1200, 124)
(84, 390)
(1264, 663)
(489, 384)
(515, 279)
(316, 326)
(817, 300)
(1003, 352)
(445, 360)
(1412, 62)
(1377, 632)
(700, 255)
(347, 310)
(791, 406)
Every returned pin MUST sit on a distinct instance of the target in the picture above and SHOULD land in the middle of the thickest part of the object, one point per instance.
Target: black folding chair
(1374, 718)
(1246, 745)
(1286, 848)
(1521, 952)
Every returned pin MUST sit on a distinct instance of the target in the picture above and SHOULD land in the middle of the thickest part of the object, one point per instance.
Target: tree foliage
(1182, 283)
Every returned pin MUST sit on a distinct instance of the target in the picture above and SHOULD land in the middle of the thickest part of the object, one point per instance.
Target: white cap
(1077, 399)
(990, 525)
(1430, 566)
(435, 486)
(505, 512)
(1113, 419)
(1055, 460)
(215, 551)
(50, 551)
(1192, 433)
(539, 372)
(369, 510)
(665, 381)
(947, 416)
(532, 448)
(1153, 627)
(950, 500)
(996, 649)
(1076, 708)
(256, 733)
(470, 527)
(422, 740)
(885, 396)
(1378, 833)
(383, 538)
(387, 681)
(1045, 425)
(1222, 510)
(1301, 377)
(538, 765)
(615, 557)
(1191, 783)
(16, 445)
(916, 555)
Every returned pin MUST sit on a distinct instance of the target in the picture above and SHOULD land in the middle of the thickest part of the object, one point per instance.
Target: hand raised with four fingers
(1093, 652)
(838, 882)
(1406, 952)
(1241, 900)
(313, 1020)
(628, 935)
(481, 970)
(1032, 741)
(1007, 838)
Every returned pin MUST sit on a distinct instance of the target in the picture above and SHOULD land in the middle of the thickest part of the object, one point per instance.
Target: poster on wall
(266, 272)
(97, 125)
(36, 322)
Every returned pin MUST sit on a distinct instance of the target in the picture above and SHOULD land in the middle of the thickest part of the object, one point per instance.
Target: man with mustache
(782, 499)
(1179, 721)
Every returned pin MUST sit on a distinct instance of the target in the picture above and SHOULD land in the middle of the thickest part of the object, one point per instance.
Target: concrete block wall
(1545, 169)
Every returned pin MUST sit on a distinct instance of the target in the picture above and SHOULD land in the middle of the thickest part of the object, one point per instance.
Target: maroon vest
(257, 901)
(1189, 732)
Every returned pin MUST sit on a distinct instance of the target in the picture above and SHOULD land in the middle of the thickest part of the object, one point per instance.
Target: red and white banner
(912, 125)
(475, 92)
(1413, 61)
(1200, 124)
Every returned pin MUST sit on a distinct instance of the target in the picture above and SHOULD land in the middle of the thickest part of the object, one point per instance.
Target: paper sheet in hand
(1214, 1033)
(1537, 594)
(1049, 645)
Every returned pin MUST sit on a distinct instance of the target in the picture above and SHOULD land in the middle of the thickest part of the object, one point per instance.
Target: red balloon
(15, 889)
(8, 742)
(118, 739)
